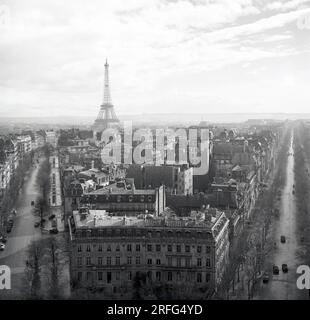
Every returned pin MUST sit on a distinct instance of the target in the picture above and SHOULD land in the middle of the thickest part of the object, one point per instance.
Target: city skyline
(169, 56)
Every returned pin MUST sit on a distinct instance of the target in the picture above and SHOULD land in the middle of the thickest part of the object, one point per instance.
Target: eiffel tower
(106, 117)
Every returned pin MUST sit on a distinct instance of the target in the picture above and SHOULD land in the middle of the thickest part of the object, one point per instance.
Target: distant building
(176, 179)
(24, 145)
(125, 199)
(51, 138)
(180, 254)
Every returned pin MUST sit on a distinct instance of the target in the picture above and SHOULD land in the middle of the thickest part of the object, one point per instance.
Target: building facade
(109, 252)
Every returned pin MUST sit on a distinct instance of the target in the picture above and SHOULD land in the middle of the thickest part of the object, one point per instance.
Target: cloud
(53, 54)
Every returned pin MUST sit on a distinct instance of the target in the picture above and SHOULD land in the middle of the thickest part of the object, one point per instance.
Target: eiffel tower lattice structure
(106, 116)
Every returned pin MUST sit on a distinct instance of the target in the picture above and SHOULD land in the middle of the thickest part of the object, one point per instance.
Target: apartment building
(108, 252)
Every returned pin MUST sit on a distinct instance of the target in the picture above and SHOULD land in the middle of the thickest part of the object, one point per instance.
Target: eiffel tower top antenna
(106, 92)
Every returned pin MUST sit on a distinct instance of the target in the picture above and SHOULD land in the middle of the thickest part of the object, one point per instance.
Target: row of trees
(302, 184)
(44, 266)
(43, 183)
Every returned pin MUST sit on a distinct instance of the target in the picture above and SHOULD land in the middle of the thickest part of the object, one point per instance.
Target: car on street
(284, 268)
(265, 277)
(54, 231)
(275, 269)
(282, 239)
(3, 239)
(37, 224)
(2, 246)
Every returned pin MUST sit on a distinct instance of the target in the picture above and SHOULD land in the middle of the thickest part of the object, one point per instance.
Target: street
(22, 234)
(283, 286)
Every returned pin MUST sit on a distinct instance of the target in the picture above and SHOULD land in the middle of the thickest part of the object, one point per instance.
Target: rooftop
(212, 219)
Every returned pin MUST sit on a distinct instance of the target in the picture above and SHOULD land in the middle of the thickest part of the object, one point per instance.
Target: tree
(33, 271)
(53, 261)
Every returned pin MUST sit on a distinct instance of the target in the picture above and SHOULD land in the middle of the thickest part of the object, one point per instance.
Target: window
(117, 261)
(208, 249)
(129, 275)
(88, 261)
(100, 261)
(100, 276)
(149, 261)
(79, 249)
(187, 248)
(169, 261)
(100, 247)
(179, 276)
(117, 248)
(88, 248)
(208, 263)
(149, 247)
(169, 247)
(198, 277)
(208, 276)
(198, 249)
(158, 276)
(128, 247)
(137, 247)
(178, 262)
(158, 262)
(178, 248)
(158, 247)
(128, 260)
(109, 277)
(79, 276)
(108, 261)
(169, 276)
(117, 275)
(109, 247)
(137, 260)
(199, 262)
(88, 276)
(79, 261)
(187, 262)
(149, 275)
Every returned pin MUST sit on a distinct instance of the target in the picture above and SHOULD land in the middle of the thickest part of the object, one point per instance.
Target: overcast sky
(184, 56)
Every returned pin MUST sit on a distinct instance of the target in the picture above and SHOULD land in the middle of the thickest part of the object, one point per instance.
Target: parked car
(3, 239)
(275, 270)
(265, 277)
(51, 217)
(9, 228)
(37, 224)
(282, 239)
(284, 268)
(54, 231)
(2, 246)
